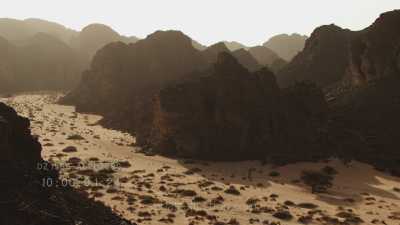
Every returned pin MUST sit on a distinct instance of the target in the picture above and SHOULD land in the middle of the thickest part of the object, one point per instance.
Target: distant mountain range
(47, 55)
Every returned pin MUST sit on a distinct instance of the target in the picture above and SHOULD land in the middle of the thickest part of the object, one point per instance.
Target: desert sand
(157, 190)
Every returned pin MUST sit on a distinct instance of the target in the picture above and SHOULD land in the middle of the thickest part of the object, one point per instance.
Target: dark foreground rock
(23, 198)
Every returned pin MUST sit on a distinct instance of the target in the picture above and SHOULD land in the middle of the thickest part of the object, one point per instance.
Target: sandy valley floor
(158, 190)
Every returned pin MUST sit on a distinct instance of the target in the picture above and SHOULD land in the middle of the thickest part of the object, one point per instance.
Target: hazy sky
(248, 21)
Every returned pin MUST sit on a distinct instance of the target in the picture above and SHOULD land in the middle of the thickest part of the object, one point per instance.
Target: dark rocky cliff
(324, 59)
(232, 114)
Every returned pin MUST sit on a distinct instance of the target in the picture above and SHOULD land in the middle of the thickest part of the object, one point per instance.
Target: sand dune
(158, 190)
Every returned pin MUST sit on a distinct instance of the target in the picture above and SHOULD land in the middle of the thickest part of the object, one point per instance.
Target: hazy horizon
(250, 23)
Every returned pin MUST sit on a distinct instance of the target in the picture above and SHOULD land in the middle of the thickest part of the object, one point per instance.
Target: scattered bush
(318, 181)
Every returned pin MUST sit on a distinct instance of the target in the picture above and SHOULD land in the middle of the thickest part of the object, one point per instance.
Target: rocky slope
(286, 46)
(23, 198)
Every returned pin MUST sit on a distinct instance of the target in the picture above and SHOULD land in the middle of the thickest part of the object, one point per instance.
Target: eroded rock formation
(233, 114)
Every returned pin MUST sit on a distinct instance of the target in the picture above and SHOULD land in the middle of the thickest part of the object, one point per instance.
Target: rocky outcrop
(286, 46)
(324, 59)
(232, 114)
(24, 200)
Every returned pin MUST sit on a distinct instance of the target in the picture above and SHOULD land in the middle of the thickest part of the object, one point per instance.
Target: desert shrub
(318, 181)
(329, 170)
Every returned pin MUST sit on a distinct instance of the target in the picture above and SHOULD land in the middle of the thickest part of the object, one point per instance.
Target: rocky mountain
(231, 110)
(323, 60)
(48, 56)
(286, 46)
(124, 76)
(24, 198)
(246, 59)
(267, 57)
(234, 45)
(334, 55)
(198, 46)
(375, 51)
(7, 64)
(57, 30)
(174, 104)
(95, 36)
(44, 63)
(18, 31)
(47, 63)
(243, 56)
(211, 53)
